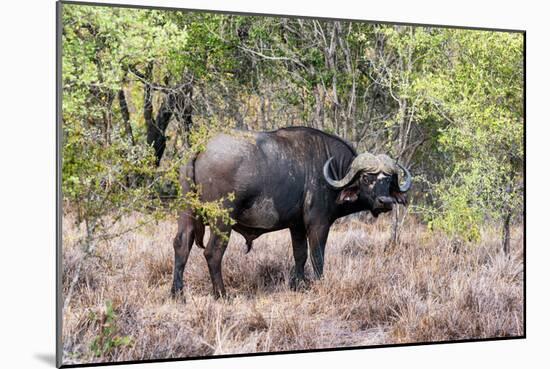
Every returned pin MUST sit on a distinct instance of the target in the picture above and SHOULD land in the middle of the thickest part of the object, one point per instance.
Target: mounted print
(237, 184)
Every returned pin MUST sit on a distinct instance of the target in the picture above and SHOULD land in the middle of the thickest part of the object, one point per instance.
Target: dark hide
(277, 179)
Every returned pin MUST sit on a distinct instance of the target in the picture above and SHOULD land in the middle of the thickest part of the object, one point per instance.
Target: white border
(27, 185)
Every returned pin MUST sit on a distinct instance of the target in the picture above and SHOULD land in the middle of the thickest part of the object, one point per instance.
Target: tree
(111, 154)
(480, 94)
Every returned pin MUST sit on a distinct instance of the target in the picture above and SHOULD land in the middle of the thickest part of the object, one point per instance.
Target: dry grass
(422, 289)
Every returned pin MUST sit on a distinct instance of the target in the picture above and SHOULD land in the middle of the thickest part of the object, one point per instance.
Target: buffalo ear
(348, 194)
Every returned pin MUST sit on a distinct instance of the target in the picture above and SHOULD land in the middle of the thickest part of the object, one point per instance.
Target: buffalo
(298, 178)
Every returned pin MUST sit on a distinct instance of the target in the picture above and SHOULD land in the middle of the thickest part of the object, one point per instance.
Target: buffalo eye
(367, 178)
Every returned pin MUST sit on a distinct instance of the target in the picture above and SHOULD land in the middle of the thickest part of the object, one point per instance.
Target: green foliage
(104, 175)
(446, 103)
(213, 213)
(97, 177)
(458, 216)
(482, 97)
(109, 337)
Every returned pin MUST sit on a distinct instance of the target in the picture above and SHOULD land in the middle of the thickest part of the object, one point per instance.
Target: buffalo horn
(366, 162)
(408, 179)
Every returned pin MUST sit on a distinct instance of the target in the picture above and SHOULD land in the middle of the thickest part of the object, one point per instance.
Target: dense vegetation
(142, 88)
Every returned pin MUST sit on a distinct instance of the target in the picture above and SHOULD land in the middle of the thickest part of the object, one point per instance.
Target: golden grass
(422, 289)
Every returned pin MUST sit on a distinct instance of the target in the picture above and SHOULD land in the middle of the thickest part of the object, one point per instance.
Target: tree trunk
(507, 214)
(261, 113)
(125, 116)
(155, 126)
(268, 109)
(506, 233)
(185, 110)
(319, 115)
(176, 102)
(394, 229)
(156, 130)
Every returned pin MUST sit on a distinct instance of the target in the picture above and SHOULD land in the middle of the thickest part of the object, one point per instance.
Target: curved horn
(364, 162)
(408, 179)
(330, 181)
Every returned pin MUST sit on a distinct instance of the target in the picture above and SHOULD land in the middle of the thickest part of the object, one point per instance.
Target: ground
(426, 287)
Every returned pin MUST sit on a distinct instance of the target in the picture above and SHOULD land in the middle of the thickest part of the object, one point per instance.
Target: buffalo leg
(182, 246)
(214, 254)
(317, 237)
(299, 249)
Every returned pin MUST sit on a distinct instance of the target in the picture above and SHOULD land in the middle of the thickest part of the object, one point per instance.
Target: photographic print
(236, 184)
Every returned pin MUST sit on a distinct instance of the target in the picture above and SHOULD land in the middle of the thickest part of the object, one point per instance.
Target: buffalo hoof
(177, 294)
(222, 296)
(299, 284)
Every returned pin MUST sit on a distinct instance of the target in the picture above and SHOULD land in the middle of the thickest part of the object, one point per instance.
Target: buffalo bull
(297, 178)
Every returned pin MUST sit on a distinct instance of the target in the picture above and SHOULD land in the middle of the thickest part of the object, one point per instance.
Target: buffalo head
(372, 180)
